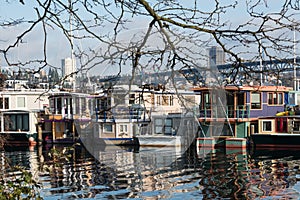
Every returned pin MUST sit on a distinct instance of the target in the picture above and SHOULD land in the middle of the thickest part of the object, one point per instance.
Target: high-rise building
(216, 56)
(69, 67)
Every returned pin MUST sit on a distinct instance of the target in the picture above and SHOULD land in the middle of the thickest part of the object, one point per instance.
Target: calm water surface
(115, 173)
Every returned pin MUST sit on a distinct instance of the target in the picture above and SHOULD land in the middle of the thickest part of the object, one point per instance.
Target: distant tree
(153, 36)
(53, 76)
(3, 78)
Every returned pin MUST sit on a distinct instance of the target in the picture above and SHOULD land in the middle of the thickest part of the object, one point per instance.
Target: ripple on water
(163, 175)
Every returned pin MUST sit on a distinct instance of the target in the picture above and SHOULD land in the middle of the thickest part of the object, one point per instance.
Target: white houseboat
(19, 113)
(148, 116)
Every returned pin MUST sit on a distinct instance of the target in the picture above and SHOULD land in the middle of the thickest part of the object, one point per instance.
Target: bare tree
(152, 36)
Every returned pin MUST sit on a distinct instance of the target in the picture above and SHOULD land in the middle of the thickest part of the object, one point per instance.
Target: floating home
(56, 122)
(281, 130)
(229, 115)
(118, 115)
(19, 117)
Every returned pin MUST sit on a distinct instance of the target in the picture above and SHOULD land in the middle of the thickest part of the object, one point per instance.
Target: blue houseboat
(281, 130)
(230, 114)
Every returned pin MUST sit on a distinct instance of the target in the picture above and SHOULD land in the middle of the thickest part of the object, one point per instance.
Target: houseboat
(277, 132)
(56, 121)
(147, 116)
(173, 118)
(20, 109)
(229, 114)
(110, 117)
(281, 130)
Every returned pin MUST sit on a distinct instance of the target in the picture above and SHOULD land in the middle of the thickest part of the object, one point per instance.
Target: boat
(19, 127)
(277, 132)
(173, 121)
(123, 116)
(230, 114)
(171, 130)
(57, 124)
(109, 117)
(20, 109)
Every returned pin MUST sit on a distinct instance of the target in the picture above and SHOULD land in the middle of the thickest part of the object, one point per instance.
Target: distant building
(68, 67)
(216, 56)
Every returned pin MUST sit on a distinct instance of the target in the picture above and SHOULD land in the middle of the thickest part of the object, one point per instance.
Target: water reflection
(120, 173)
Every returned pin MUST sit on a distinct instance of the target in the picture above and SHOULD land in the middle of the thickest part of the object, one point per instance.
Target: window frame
(105, 130)
(277, 98)
(17, 122)
(267, 129)
(256, 107)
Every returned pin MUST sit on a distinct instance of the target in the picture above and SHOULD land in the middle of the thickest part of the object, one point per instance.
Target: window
(20, 102)
(206, 100)
(131, 98)
(270, 98)
(267, 125)
(77, 105)
(59, 105)
(281, 125)
(255, 101)
(123, 128)
(165, 100)
(119, 99)
(4, 103)
(158, 123)
(158, 100)
(171, 100)
(83, 104)
(16, 122)
(103, 103)
(275, 98)
(108, 128)
(168, 127)
(141, 99)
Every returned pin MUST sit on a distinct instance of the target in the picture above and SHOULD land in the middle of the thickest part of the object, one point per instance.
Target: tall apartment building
(69, 67)
(216, 56)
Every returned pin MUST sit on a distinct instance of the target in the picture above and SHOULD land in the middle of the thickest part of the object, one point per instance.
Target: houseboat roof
(285, 116)
(246, 88)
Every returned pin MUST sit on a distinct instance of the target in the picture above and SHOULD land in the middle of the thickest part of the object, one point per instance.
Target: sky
(57, 45)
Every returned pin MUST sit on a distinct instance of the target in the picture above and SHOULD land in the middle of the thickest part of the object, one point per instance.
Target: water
(129, 173)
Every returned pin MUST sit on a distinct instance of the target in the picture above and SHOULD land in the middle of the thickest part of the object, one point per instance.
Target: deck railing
(121, 112)
(237, 112)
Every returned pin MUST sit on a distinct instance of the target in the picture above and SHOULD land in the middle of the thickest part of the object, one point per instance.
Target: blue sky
(57, 44)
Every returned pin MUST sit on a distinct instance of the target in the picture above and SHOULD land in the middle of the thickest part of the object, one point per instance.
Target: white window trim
(262, 126)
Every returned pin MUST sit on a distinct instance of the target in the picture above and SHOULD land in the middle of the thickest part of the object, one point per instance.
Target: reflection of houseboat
(230, 114)
(20, 109)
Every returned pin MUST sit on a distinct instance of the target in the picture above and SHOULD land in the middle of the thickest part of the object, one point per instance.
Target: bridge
(255, 69)
(283, 65)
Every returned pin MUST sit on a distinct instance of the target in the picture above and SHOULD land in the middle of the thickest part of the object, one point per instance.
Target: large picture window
(16, 122)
